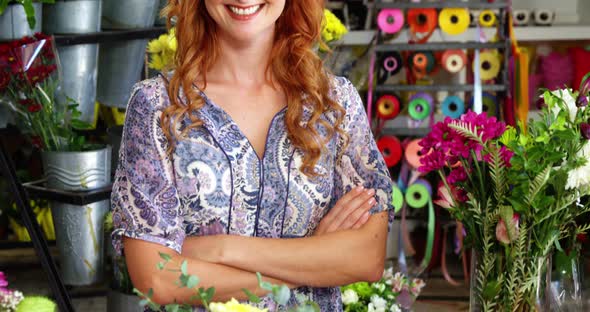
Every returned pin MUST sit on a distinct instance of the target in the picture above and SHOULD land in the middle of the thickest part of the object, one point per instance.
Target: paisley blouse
(214, 182)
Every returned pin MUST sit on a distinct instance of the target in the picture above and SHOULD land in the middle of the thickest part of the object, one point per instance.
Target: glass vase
(566, 284)
(520, 286)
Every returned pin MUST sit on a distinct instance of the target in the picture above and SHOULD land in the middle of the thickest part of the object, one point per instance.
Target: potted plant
(19, 18)
(30, 88)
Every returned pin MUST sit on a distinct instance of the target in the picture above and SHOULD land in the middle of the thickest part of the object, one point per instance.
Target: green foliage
(27, 5)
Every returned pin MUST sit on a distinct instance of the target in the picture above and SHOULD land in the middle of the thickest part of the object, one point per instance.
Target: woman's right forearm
(227, 281)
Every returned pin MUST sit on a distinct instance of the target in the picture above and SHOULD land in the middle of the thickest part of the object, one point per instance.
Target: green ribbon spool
(419, 114)
(397, 199)
(417, 196)
(489, 104)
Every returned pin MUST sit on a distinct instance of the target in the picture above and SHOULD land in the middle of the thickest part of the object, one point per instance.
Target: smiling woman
(250, 157)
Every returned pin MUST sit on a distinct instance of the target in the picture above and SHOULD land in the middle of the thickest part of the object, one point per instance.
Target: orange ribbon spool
(413, 153)
(422, 21)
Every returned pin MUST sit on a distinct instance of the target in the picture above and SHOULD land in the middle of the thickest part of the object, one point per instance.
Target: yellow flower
(332, 27)
(162, 50)
(233, 306)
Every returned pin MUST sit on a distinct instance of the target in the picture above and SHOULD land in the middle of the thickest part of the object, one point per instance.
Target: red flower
(4, 80)
(36, 141)
(26, 102)
(34, 108)
(582, 238)
(585, 129)
(508, 233)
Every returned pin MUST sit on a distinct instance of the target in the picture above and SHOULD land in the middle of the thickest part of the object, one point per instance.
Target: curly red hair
(294, 65)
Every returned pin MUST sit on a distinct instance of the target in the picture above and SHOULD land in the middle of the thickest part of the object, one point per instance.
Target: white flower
(379, 303)
(371, 308)
(395, 308)
(570, 103)
(417, 285)
(388, 273)
(379, 286)
(349, 297)
(579, 178)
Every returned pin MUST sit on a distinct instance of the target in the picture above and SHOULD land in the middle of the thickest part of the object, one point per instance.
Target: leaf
(491, 289)
(165, 256)
(30, 12)
(192, 281)
(184, 267)
(252, 297)
(282, 294)
(150, 293)
(466, 130)
(184, 279)
(160, 266)
(172, 307)
(537, 185)
(266, 286)
(210, 293)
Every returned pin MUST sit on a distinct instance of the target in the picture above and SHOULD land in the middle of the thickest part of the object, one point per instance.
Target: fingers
(362, 220)
(359, 214)
(359, 203)
(342, 204)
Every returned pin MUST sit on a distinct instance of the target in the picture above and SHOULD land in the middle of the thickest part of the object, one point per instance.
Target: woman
(261, 162)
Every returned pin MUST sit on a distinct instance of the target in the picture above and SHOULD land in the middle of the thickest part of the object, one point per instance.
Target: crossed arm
(348, 246)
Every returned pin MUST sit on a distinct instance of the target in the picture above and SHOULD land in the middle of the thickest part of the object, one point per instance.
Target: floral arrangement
(391, 293)
(162, 50)
(279, 294)
(15, 301)
(29, 86)
(517, 192)
(28, 7)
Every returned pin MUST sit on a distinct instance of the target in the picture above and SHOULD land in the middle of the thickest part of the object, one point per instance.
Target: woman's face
(245, 20)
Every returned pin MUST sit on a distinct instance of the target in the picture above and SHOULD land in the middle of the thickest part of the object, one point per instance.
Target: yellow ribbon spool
(453, 21)
(489, 65)
(487, 18)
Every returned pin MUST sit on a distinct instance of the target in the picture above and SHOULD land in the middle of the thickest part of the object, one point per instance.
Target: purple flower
(457, 175)
(585, 129)
(3, 282)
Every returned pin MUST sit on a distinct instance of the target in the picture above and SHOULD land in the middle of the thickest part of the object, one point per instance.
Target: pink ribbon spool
(390, 21)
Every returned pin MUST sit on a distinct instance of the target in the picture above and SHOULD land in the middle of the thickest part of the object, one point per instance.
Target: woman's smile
(244, 13)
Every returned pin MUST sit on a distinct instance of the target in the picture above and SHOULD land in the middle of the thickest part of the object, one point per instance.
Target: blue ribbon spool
(453, 107)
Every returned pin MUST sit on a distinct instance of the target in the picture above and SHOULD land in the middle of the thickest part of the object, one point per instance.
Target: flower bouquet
(517, 192)
(29, 86)
(390, 294)
(14, 300)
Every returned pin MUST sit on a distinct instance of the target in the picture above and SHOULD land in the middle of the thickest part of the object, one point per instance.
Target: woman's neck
(242, 63)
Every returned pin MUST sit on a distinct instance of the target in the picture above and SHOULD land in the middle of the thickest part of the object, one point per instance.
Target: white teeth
(247, 11)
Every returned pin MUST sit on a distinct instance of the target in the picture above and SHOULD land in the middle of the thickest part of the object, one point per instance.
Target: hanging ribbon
(422, 23)
(390, 21)
(454, 21)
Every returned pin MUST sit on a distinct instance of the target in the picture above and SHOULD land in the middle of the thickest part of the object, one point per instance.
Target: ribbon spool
(454, 60)
(487, 18)
(489, 65)
(420, 106)
(521, 17)
(397, 198)
(489, 104)
(422, 21)
(422, 63)
(543, 17)
(392, 63)
(390, 21)
(453, 21)
(388, 106)
(419, 194)
(391, 149)
(453, 107)
(413, 153)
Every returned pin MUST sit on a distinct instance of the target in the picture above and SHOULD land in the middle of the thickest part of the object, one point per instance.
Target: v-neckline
(229, 118)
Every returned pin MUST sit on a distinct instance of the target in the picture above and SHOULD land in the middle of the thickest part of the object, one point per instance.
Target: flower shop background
(557, 43)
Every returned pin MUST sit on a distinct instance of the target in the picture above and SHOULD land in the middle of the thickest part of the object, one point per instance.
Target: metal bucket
(72, 17)
(115, 135)
(129, 14)
(79, 229)
(120, 302)
(79, 72)
(119, 67)
(161, 21)
(13, 22)
(79, 63)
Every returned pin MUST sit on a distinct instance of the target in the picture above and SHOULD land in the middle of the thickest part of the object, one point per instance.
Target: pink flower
(416, 286)
(457, 175)
(3, 282)
(445, 198)
(505, 234)
(397, 283)
(435, 160)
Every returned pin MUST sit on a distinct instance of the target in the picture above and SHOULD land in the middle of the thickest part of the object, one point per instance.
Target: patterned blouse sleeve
(144, 199)
(360, 162)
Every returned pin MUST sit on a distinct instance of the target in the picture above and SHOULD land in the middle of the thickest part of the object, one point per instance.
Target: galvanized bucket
(160, 21)
(119, 68)
(72, 17)
(79, 229)
(120, 62)
(13, 22)
(120, 302)
(79, 63)
(129, 14)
